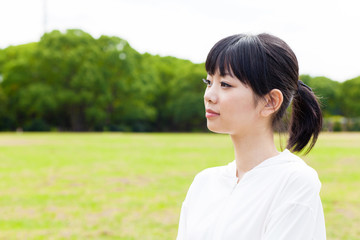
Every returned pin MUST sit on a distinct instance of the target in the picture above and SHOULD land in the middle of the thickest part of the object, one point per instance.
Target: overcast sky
(325, 35)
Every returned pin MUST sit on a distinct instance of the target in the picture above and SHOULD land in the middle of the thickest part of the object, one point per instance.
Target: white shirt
(276, 200)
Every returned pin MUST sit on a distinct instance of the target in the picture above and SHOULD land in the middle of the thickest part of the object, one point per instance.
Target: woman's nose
(210, 95)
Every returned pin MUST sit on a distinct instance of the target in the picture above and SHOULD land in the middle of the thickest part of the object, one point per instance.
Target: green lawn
(131, 186)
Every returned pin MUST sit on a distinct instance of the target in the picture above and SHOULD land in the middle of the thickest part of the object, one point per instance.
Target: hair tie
(303, 84)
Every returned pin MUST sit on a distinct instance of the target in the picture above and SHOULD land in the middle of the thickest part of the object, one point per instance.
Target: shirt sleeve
(292, 221)
(298, 217)
(182, 223)
(184, 209)
(195, 188)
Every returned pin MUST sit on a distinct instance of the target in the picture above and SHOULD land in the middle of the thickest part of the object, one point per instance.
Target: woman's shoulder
(209, 176)
(301, 181)
(302, 173)
(212, 172)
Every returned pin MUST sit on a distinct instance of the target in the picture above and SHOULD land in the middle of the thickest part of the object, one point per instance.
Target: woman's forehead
(227, 75)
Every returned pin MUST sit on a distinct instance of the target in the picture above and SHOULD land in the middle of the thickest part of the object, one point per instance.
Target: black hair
(265, 62)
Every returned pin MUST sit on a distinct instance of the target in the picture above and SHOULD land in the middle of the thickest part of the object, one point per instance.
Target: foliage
(70, 81)
(351, 97)
(328, 92)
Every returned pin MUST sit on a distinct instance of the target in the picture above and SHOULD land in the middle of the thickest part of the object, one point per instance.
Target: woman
(263, 194)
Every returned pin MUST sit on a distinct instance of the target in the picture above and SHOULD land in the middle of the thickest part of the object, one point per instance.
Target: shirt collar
(283, 157)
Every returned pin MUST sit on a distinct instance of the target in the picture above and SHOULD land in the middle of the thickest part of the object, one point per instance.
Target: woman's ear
(273, 101)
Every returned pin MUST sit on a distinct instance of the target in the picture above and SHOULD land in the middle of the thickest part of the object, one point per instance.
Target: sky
(325, 35)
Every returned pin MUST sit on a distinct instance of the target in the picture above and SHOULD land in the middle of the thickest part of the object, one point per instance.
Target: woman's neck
(252, 149)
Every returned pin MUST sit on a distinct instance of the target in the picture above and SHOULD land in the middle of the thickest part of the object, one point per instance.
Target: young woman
(262, 194)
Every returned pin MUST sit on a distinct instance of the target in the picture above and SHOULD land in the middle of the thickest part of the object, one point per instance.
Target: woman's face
(230, 105)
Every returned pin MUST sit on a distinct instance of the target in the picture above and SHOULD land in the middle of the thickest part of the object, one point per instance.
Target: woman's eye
(207, 82)
(225, 84)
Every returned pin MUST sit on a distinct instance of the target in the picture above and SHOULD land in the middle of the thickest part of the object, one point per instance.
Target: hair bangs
(229, 57)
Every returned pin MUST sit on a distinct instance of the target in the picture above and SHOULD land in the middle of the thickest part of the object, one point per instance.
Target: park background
(124, 131)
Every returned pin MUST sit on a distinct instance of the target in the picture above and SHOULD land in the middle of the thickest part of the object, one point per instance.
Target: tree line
(70, 81)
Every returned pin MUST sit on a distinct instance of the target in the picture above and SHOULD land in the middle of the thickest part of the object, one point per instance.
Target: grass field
(131, 186)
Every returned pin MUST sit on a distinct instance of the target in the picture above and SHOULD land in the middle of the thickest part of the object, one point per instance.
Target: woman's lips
(210, 113)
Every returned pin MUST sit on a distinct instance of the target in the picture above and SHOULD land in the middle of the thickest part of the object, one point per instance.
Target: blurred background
(111, 84)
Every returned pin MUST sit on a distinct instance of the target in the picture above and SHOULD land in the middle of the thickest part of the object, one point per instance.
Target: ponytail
(306, 119)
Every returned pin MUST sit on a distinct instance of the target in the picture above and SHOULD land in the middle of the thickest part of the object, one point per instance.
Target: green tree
(187, 98)
(16, 74)
(178, 94)
(328, 92)
(76, 82)
(350, 90)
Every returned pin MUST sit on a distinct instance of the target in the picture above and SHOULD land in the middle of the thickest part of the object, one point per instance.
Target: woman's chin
(215, 129)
